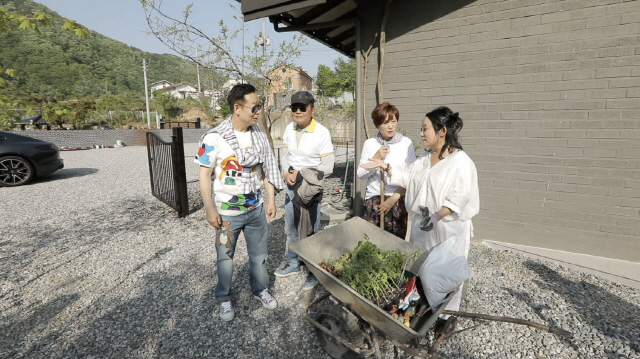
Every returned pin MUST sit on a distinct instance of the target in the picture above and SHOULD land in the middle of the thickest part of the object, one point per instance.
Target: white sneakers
(267, 300)
(226, 311)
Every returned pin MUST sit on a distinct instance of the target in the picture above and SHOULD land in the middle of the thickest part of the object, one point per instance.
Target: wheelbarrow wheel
(344, 325)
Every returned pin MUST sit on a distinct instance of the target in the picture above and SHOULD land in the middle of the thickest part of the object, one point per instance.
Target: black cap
(303, 97)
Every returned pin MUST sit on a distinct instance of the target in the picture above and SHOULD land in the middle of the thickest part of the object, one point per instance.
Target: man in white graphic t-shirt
(236, 158)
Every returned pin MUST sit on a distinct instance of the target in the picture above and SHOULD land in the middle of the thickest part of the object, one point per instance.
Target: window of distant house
(288, 85)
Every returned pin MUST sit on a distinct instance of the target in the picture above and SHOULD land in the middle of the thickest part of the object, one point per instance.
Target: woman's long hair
(443, 117)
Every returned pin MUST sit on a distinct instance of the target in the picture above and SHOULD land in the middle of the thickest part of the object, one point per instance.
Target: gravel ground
(93, 266)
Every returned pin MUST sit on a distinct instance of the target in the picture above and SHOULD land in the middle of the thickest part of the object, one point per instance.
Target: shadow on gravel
(170, 311)
(69, 173)
(195, 199)
(168, 320)
(156, 257)
(47, 245)
(63, 174)
(11, 339)
(609, 314)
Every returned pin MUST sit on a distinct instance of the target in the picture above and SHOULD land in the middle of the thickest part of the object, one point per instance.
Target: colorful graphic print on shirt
(242, 202)
(203, 153)
(231, 169)
(230, 175)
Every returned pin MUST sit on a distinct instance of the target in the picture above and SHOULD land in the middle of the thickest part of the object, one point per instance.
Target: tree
(346, 73)
(57, 114)
(333, 83)
(13, 20)
(341, 79)
(168, 104)
(80, 111)
(217, 53)
(327, 82)
(224, 107)
(10, 20)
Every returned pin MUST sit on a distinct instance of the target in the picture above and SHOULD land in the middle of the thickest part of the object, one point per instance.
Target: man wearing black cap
(307, 145)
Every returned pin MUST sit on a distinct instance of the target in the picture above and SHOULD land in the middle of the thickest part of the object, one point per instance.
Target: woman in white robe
(449, 190)
(443, 181)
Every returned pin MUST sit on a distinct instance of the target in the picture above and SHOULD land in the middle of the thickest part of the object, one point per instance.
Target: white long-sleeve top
(399, 157)
(452, 183)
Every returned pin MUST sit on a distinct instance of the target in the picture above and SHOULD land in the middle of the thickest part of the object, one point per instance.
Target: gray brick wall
(550, 95)
(88, 138)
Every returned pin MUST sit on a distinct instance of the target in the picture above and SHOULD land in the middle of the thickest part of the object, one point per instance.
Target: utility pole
(264, 36)
(242, 77)
(265, 41)
(213, 100)
(146, 91)
(198, 70)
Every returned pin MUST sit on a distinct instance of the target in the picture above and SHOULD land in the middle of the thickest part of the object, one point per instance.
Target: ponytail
(443, 117)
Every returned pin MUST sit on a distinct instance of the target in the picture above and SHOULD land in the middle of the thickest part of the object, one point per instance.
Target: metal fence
(167, 170)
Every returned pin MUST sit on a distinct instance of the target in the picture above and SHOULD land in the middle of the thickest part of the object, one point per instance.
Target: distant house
(159, 85)
(181, 90)
(36, 121)
(286, 81)
(184, 90)
(229, 84)
(217, 95)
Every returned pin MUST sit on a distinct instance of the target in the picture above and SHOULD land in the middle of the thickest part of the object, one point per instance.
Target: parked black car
(22, 158)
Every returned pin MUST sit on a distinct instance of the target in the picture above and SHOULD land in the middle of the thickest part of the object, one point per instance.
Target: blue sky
(123, 20)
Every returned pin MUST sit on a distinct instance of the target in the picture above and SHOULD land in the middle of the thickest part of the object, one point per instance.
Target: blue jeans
(254, 225)
(290, 227)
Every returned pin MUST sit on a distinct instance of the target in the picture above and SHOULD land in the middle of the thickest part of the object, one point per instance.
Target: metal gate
(167, 170)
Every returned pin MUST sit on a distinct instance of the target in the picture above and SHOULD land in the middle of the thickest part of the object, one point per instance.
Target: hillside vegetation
(57, 64)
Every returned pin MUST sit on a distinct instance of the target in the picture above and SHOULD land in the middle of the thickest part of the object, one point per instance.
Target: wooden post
(381, 197)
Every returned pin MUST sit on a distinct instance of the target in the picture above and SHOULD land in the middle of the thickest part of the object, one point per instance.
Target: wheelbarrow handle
(546, 328)
(559, 331)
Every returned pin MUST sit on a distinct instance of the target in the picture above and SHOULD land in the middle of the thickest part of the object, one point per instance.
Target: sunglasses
(254, 109)
(299, 106)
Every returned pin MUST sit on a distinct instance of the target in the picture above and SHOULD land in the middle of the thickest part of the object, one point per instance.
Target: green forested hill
(57, 63)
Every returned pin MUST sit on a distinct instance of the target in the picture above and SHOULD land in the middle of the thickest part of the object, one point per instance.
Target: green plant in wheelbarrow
(375, 274)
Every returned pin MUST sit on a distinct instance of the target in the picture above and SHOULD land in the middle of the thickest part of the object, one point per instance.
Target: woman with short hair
(395, 150)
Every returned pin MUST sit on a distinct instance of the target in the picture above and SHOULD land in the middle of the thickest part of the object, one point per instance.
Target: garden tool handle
(381, 198)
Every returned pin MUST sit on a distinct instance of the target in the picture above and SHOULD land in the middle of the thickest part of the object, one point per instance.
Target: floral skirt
(395, 221)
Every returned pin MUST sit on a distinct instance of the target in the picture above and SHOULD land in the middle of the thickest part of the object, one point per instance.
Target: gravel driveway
(93, 266)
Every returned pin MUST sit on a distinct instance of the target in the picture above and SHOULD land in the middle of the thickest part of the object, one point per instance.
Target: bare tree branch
(364, 85)
(173, 36)
(383, 37)
(181, 35)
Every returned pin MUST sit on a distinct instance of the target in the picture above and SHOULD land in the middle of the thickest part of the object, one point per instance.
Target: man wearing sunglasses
(307, 148)
(236, 157)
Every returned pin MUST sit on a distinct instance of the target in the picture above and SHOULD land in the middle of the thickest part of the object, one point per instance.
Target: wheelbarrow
(350, 325)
